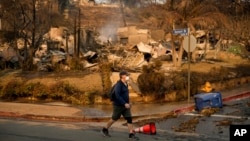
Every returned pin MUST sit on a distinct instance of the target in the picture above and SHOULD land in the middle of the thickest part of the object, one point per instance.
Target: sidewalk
(98, 113)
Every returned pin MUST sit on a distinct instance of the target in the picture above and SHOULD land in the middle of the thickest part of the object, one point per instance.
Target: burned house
(131, 35)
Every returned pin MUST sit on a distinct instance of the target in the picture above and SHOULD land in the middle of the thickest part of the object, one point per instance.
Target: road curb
(226, 99)
(104, 119)
(236, 97)
(51, 118)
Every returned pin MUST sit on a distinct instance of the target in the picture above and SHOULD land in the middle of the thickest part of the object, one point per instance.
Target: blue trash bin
(208, 100)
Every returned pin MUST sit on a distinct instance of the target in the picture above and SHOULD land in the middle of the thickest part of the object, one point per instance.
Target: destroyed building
(138, 47)
(130, 35)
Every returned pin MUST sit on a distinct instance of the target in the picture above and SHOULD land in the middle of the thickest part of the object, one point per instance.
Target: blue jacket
(121, 94)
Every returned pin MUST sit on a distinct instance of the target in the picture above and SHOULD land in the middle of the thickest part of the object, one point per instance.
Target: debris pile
(128, 48)
(209, 111)
(59, 49)
(188, 126)
(9, 57)
(225, 122)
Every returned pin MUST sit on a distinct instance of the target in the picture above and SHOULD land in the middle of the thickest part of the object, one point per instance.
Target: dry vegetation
(80, 88)
(61, 91)
(72, 87)
(153, 82)
(105, 72)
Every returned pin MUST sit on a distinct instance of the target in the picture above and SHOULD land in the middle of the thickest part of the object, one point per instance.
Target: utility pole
(67, 38)
(1, 15)
(75, 38)
(79, 33)
(50, 13)
(122, 11)
(33, 23)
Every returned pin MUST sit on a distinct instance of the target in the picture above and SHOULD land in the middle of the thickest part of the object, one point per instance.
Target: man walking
(121, 105)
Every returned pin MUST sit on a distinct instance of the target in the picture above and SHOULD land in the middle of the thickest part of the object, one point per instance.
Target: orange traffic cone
(147, 129)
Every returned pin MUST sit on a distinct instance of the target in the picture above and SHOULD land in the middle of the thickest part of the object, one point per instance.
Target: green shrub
(235, 48)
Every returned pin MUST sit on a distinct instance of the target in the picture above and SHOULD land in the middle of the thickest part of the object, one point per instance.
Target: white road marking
(216, 115)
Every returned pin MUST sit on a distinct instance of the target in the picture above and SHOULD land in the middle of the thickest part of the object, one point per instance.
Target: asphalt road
(18, 130)
(186, 127)
(211, 126)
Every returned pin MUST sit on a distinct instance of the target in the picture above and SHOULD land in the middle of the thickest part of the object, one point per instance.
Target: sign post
(189, 45)
(183, 32)
(189, 61)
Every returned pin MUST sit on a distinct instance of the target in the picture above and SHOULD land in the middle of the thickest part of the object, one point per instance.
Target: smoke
(108, 32)
(102, 1)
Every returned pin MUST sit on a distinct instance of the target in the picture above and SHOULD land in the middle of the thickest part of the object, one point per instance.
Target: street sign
(183, 32)
(189, 45)
(192, 43)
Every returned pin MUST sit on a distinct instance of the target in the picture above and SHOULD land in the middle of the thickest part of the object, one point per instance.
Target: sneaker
(133, 137)
(105, 132)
